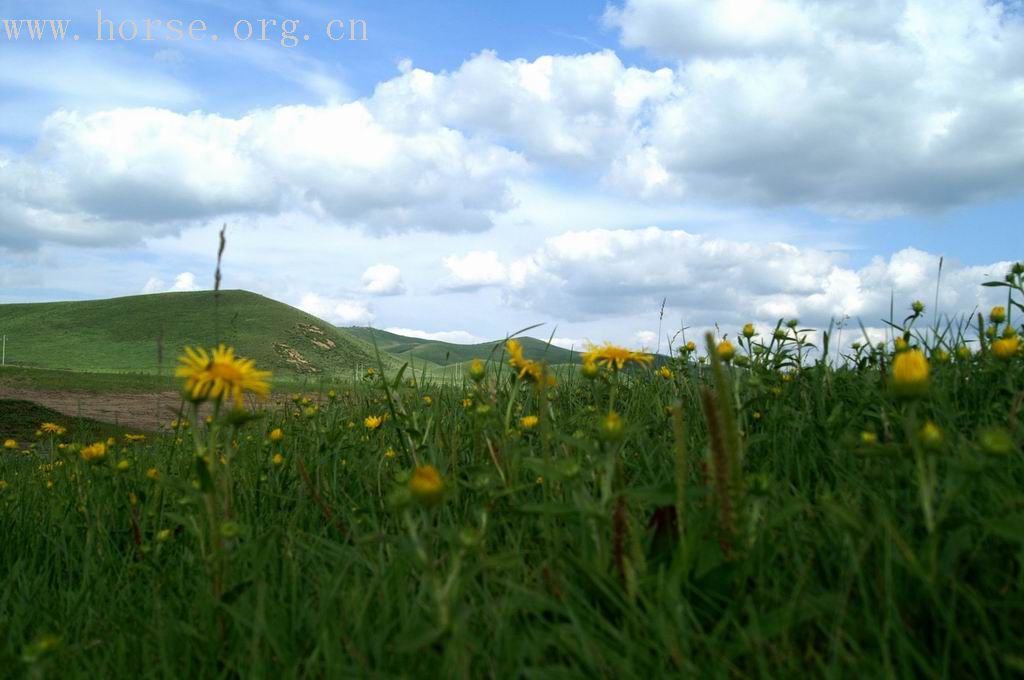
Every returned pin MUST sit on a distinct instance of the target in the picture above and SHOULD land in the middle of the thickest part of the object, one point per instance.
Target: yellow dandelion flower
(427, 400)
(153, 473)
(748, 331)
(529, 422)
(123, 465)
(277, 459)
(134, 438)
(390, 453)
(1006, 348)
(220, 376)
(94, 453)
(725, 351)
(276, 435)
(477, 370)
(664, 372)
(615, 357)
(373, 422)
(612, 426)
(997, 315)
(52, 428)
(868, 438)
(426, 485)
(467, 403)
(910, 372)
(931, 436)
(10, 444)
(163, 535)
(3, 484)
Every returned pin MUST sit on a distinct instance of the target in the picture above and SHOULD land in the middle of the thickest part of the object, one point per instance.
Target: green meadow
(750, 507)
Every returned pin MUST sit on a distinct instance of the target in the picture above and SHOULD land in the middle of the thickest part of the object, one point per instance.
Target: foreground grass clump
(742, 511)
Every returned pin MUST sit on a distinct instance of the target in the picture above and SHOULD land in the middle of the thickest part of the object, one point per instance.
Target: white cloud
(115, 176)
(849, 107)
(570, 343)
(473, 270)
(456, 337)
(383, 279)
(646, 339)
(845, 107)
(601, 273)
(183, 282)
(338, 311)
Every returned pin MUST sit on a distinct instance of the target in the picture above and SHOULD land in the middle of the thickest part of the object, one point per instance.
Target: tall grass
(761, 516)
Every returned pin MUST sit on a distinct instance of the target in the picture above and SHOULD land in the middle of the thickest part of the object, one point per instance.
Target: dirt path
(139, 411)
(131, 410)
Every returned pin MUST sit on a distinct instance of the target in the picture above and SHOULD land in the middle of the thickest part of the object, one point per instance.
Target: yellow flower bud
(426, 485)
(910, 373)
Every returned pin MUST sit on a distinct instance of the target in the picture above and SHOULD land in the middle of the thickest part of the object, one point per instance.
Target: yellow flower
(220, 376)
(111, 442)
(10, 444)
(427, 400)
(278, 459)
(373, 422)
(94, 453)
(3, 484)
(997, 315)
(529, 422)
(725, 351)
(153, 473)
(135, 437)
(590, 369)
(611, 426)
(163, 535)
(868, 438)
(477, 370)
(748, 331)
(123, 465)
(691, 346)
(931, 436)
(276, 435)
(426, 485)
(390, 453)
(901, 345)
(332, 395)
(52, 428)
(467, 402)
(664, 372)
(1006, 348)
(534, 371)
(910, 372)
(615, 357)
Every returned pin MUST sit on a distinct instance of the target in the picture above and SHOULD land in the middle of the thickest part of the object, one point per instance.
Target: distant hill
(449, 353)
(125, 334)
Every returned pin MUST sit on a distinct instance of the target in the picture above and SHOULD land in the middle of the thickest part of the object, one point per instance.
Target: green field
(132, 343)
(145, 334)
(449, 353)
(734, 513)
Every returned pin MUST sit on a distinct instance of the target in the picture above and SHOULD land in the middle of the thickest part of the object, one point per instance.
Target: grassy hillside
(448, 353)
(145, 333)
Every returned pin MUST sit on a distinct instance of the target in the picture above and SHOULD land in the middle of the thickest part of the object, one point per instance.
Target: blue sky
(571, 163)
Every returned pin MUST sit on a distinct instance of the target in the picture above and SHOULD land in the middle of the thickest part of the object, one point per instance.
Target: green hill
(129, 334)
(448, 353)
